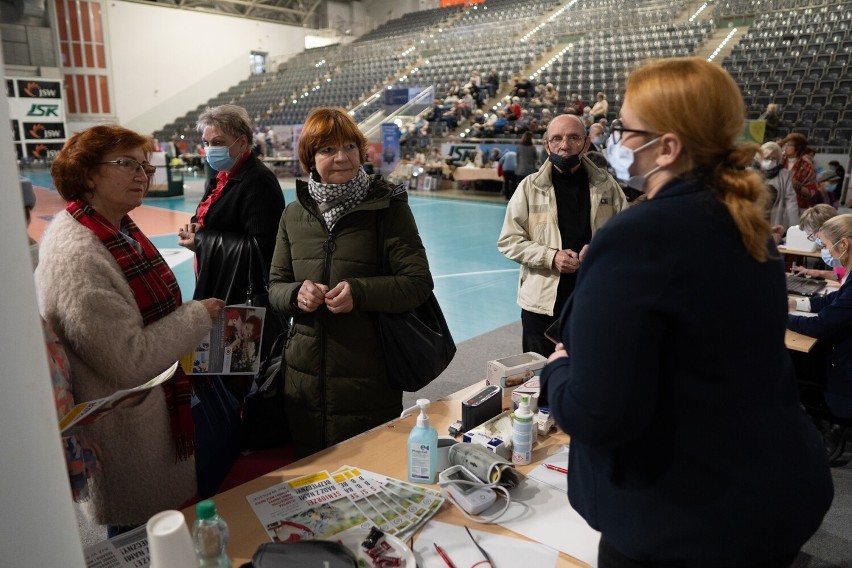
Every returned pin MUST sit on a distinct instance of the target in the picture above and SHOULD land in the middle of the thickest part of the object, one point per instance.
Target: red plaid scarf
(157, 294)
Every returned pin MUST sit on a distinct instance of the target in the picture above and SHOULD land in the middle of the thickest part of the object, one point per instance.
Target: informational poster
(37, 110)
(390, 147)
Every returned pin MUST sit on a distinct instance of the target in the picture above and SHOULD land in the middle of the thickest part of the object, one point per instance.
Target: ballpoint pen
(552, 467)
(444, 556)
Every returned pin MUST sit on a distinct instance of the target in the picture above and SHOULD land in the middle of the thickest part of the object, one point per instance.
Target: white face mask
(768, 164)
(621, 158)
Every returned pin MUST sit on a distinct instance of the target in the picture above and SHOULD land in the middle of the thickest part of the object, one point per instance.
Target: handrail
(371, 126)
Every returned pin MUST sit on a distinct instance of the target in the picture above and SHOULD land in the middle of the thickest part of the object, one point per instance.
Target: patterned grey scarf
(336, 199)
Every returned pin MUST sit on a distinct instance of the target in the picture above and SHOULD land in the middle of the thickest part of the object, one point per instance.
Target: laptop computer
(804, 286)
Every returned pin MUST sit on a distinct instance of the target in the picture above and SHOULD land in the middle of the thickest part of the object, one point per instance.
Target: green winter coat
(335, 381)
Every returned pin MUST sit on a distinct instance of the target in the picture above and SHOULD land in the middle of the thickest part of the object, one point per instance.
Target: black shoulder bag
(264, 418)
(417, 345)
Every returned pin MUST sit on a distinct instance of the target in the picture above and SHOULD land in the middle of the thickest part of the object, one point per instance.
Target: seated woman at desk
(832, 324)
(811, 222)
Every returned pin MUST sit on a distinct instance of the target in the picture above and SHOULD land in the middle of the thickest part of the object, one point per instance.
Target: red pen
(444, 556)
(552, 467)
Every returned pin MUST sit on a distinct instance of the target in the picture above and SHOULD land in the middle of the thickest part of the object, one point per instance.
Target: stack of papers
(326, 504)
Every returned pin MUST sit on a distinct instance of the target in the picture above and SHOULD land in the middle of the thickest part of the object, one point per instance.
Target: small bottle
(522, 432)
(422, 446)
(210, 536)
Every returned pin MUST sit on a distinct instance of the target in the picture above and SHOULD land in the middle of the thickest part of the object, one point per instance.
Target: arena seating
(796, 53)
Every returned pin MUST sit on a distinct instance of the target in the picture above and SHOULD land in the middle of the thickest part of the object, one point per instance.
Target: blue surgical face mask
(818, 242)
(829, 260)
(219, 157)
(621, 158)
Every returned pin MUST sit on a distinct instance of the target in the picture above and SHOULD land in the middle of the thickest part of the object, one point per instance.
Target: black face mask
(564, 164)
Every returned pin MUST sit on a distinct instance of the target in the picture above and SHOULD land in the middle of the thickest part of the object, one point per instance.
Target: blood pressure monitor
(467, 490)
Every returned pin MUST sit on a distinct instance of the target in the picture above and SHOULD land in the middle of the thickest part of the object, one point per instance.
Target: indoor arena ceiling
(293, 12)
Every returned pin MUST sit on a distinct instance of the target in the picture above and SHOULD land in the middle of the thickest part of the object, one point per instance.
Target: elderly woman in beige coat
(116, 306)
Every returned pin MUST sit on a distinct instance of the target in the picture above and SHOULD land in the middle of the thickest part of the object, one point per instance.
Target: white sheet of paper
(805, 314)
(555, 479)
(505, 552)
(542, 513)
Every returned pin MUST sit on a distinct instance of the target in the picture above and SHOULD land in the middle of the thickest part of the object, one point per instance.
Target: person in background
(600, 108)
(325, 275)
(811, 222)
(549, 223)
(507, 166)
(596, 135)
(772, 118)
(232, 234)
(782, 207)
(801, 169)
(116, 307)
(492, 82)
(703, 440)
(29, 204)
(832, 325)
(827, 185)
(527, 159)
(835, 167)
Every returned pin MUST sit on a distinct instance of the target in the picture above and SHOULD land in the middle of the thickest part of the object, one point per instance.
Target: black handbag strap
(381, 259)
(256, 285)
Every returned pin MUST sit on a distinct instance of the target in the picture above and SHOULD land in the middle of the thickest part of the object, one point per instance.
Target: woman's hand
(311, 296)
(186, 235)
(791, 304)
(214, 307)
(339, 300)
(559, 353)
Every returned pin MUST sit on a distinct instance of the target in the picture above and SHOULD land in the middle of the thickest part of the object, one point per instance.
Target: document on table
(556, 475)
(505, 552)
(804, 314)
(543, 513)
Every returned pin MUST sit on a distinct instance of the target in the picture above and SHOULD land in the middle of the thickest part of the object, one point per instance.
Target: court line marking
(475, 273)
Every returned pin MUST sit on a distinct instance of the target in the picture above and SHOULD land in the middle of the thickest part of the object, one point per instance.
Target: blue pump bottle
(422, 446)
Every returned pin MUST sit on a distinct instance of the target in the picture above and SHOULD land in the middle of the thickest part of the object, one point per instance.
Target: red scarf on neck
(156, 293)
(222, 179)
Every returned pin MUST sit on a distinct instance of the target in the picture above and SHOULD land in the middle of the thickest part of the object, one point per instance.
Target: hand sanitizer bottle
(522, 432)
(422, 446)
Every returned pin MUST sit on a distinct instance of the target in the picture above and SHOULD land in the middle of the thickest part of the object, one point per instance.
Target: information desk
(810, 253)
(476, 174)
(381, 450)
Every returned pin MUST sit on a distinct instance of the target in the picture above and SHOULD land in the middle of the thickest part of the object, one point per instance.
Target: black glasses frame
(617, 130)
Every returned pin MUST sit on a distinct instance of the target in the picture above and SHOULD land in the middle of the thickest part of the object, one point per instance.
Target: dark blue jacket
(688, 444)
(833, 327)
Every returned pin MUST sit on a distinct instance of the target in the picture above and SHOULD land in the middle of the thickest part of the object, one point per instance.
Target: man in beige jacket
(550, 221)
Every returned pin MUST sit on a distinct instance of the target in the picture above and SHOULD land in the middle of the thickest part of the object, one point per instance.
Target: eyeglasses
(617, 130)
(132, 166)
(573, 140)
(812, 236)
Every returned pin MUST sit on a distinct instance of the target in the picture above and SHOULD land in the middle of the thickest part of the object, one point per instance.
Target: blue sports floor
(474, 283)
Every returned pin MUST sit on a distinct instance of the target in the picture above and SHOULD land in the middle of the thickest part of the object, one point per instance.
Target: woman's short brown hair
(328, 126)
(798, 141)
(813, 218)
(82, 153)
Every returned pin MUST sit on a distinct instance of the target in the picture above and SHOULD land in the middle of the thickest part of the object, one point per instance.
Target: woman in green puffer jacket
(325, 274)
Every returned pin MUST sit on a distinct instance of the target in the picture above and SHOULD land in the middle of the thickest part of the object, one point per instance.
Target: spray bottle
(422, 446)
(522, 432)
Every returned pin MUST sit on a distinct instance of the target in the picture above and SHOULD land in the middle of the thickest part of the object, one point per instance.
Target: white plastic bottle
(422, 446)
(522, 432)
(210, 536)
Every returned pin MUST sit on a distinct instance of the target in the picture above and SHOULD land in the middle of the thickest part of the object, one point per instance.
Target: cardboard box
(511, 372)
(493, 442)
(532, 388)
